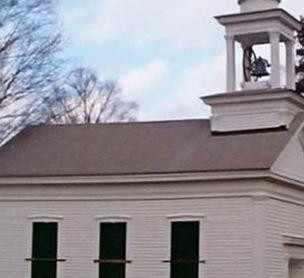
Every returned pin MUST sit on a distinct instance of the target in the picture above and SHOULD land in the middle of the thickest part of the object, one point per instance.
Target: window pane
(45, 240)
(44, 247)
(112, 271)
(44, 269)
(112, 247)
(184, 249)
(184, 271)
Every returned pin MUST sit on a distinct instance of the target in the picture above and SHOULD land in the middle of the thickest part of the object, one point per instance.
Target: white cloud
(177, 23)
(180, 21)
(141, 79)
(207, 78)
(203, 79)
(293, 6)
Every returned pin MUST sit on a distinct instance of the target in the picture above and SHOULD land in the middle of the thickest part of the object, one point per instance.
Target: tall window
(44, 250)
(184, 250)
(112, 250)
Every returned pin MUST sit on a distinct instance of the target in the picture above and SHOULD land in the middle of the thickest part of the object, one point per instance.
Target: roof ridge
(118, 123)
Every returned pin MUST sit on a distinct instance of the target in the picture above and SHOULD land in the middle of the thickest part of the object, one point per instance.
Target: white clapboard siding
(283, 218)
(226, 234)
(242, 225)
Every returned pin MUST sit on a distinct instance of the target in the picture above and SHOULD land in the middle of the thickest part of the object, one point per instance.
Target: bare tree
(85, 99)
(29, 65)
(300, 65)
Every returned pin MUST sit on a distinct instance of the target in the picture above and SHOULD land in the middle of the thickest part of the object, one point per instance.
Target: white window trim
(46, 219)
(185, 217)
(113, 218)
(188, 217)
(129, 236)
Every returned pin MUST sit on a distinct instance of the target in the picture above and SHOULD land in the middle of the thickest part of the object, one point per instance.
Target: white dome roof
(258, 5)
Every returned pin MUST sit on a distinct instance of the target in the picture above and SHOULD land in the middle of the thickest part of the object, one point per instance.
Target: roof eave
(137, 178)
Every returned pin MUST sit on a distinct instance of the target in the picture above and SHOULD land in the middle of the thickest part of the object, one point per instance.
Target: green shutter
(44, 250)
(184, 249)
(112, 247)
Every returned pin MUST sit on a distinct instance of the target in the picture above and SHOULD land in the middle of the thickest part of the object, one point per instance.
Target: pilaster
(231, 72)
(290, 65)
(275, 59)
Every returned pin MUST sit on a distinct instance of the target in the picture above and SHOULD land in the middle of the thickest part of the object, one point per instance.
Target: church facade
(222, 197)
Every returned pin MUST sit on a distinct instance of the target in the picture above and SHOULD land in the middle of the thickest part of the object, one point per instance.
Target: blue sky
(165, 54)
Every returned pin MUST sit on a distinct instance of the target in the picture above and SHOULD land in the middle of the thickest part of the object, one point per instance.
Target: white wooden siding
(226, 232)
(283, 218)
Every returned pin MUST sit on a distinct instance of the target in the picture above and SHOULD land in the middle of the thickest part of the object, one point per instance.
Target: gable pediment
(290, 163)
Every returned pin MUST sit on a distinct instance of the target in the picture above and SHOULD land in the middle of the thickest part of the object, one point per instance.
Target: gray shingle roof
(137, 148)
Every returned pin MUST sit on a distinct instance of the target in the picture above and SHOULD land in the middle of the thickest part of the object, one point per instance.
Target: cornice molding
(258, 185)
(136, 179)
(151, 178)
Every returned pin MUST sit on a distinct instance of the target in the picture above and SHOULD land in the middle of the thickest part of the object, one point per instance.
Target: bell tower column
(231, 72)
(275, 59)
(290, 65)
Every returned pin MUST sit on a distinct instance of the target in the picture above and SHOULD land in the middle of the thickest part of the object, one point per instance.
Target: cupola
(262, 100)
(258, 5)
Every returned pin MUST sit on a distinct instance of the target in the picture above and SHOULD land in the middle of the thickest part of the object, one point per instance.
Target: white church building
(209, 198)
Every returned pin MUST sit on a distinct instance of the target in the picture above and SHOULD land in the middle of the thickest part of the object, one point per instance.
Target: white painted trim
(126, 179)
(178, 196)
(286, 260)
(293, 247)
(256, 109)
(259, 235)
(183, 216)
(254, 97)
(188, 217)
(277, 14)
(275, 78)
(230, 63)
(60, 255)
(293, 240)
(286, 180)
(290, 64)
(28, 252)
(45, 218)
(129, 236)
(289, 192)
(113, 218)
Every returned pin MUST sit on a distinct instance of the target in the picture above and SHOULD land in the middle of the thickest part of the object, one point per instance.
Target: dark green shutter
(44, 250)
(112, 248)
(184, 249)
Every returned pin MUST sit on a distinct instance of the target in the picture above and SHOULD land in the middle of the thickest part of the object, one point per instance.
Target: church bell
(259, 68)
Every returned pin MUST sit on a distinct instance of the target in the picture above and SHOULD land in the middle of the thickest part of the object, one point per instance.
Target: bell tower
(263, 101)
(260, 22)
